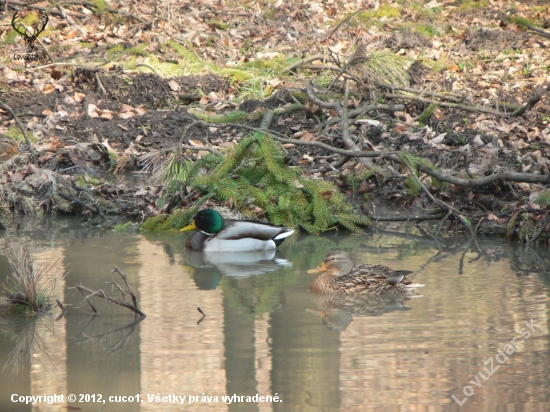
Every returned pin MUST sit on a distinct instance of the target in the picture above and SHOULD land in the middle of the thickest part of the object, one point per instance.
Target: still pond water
(265, 335)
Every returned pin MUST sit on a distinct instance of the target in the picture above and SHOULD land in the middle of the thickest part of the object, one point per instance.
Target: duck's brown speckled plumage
(339, 276)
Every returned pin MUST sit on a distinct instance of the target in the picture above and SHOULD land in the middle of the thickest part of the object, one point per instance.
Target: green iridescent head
(207, 220)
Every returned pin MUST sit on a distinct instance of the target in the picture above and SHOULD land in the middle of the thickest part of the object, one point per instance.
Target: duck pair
(337, 275)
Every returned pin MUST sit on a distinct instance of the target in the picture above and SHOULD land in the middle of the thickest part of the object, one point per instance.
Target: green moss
(413, 185)
(472, 4)
(269, 14)
(369, 18)
(218, 24)
(116, 52)
(101, 6)
(121, 228)
(10, 37)
(426, 114)
(388, 11)
(427, 30)
(16, 134)
(522, 22)
(543, 198)
(85, 180)
(233, 117)
(183, 51)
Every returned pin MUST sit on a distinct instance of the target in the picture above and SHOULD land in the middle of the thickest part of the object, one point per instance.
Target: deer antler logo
(29, 34)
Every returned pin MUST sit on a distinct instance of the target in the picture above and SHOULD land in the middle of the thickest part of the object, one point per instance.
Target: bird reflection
(209, 267)
(337, 311)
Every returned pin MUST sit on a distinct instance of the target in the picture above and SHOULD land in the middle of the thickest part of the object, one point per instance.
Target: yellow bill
(192, 226)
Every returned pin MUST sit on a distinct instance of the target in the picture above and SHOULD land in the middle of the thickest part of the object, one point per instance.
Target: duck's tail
(282, 236)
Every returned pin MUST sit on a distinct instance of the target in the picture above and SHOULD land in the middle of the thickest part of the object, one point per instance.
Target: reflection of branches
(28, 342)
(527, 259)
(125, 331)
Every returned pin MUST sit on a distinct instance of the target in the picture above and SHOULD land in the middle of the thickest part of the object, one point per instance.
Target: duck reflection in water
(337, 311)
(209, 267)
(343, 290)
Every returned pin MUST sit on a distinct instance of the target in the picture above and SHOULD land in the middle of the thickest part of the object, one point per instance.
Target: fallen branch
(477, 109)
(129, 289)
(440, 202)
(533, 99)
(415, 218)
(154, 71)
(454, 97)
(439, 175)
(12, 3)
(87, 300)
(71, 199)
(393, 156)
(539, 31)
(342, 110)
(303, 62)
(99, 293)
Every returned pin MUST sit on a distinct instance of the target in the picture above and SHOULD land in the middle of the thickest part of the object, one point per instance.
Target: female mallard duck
(339, 276)
(218, 235)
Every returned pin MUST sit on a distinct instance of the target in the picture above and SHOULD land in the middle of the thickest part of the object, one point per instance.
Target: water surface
(265, 334)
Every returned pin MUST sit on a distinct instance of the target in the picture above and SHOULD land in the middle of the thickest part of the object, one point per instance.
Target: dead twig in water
(203, 315)
(100, 293)
(62, 307)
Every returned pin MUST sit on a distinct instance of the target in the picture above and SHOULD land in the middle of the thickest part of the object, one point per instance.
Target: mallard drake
(218, 235)
(339, 276)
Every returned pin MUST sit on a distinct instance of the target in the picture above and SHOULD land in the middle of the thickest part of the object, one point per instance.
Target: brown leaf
(17, 177)
(308, 137)
(312, 108)
(79, 97)
(125, 108)
(454, 68)
(48, 89)
(401, 128)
